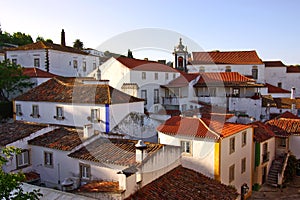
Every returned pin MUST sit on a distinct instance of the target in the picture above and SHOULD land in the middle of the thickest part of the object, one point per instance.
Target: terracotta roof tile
(227, 57)
(35, 72)
(285, 124)
(200, 127)
(182, 80)
(46, 45)
(144, 65)
(11, 132)
(64, 139)
(274, 89)
(71, 90)
(226, 79)
(113, 151)
(288, 115)
(100, 186)
(31, 176)
(262, 132)
(183, 184)
(274, 64)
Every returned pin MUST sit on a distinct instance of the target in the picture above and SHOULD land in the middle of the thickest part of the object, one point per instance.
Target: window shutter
(257, 154)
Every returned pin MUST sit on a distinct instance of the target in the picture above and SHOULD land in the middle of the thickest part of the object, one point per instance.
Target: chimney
(293, 93)
(140, 151)
(88, 131)
(63, 38)
(98, 75)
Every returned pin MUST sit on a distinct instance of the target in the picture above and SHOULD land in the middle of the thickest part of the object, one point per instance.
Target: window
(185, 146)
(94, 115)
(236, 92)
(75, 64)
(282, 142)
(265, 152)
(14, 61)
(59, 113)
(254, 72)
(183, 107)
(156, 96)
(180, 61)
(155, 76)
(84, 66)
(143, 75)
(228, 69)
(167, 76)
(35, 111)
(243, 165)
(19, 110)
(231, 173)
(202, 69)
(36, 62)
(279, 84)
(144, 95)
(23, 159)
(231, 145)
(48, 159)
(85, 171)
(244, 138)
(174, 76)
(94, 65)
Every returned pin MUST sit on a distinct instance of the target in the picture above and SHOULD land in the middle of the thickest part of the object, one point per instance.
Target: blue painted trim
(107, 118)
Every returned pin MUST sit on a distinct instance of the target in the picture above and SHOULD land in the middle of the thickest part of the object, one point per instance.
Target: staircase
(277, 168)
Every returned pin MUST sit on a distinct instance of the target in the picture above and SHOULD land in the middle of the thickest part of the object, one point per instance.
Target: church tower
(181, 56)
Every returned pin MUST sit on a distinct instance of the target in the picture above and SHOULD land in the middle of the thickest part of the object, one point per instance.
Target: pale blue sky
(271, 27)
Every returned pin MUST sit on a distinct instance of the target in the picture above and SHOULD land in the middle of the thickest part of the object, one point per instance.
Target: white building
(76, 102)
(217, 149)
(54, 58)
(139, 78)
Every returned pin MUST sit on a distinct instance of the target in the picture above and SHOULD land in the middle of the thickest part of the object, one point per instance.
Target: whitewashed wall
(235, 158)
(294, 142)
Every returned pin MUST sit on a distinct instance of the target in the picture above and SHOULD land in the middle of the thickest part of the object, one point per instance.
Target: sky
(271, 27)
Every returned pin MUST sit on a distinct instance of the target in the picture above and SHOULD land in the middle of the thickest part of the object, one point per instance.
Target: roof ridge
(218, 135)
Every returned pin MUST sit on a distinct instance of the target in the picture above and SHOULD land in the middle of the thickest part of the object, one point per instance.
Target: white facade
(294, 141)
(77, 114)
(2, 57)
(60, 63)
(245, 70)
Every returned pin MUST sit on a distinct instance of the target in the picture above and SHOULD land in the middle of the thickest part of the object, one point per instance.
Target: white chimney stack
(98, 75)
(293, 93)
(140, 151)
(88, 131)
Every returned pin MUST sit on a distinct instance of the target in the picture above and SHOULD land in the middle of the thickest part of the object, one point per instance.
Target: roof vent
(140, 151)
(293, 93)
(88, 130)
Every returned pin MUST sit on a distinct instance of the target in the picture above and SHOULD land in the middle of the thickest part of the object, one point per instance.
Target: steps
(276, 168)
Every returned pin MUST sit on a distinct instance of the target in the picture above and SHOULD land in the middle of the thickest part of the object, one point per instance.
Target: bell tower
(181, 56)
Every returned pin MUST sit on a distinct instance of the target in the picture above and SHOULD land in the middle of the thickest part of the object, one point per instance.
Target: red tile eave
(100, 186)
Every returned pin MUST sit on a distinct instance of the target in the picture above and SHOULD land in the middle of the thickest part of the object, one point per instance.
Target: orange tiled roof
(274, 64)
(227, 57)
(31, 176)
(183, 80)
(285, 124)
(72, 90)
(199, 127)
(64, 139)
(262, 132)
(144, 65)
(286, 103)
(183, 184)
(11, 132)
(46, 45)
(35, 72)
(113, 151)
(225, 78)
(274, 89)
(100, 186)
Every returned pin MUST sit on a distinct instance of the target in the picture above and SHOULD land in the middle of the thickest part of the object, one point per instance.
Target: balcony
(265, 157)
(170, 101)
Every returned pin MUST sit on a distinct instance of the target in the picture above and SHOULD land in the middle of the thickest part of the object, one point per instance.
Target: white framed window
(36, 62)
(59, 113)
(254, 72)
(167, 76)
(85, 171)
(48, 159)
(156, 96)
(185, 147)
(84, 66)
(244, 138)
(232, 145)
(236, 92)
(35, 111)
(144, 76)
(94, 115)
(144, 96)
(75, 64)
(243, 165)
(23, 158)
(231, 173)
(19, 110)
(155, 76)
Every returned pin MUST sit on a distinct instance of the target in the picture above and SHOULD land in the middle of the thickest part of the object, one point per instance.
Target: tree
(39, 38)
(49, 41)
(12, 79)
(78, 44)
(19, 38)
(10, 183)
(129, 54)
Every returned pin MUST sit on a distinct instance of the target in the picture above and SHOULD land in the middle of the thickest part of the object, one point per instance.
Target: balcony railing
(266, 157)
(170, 101)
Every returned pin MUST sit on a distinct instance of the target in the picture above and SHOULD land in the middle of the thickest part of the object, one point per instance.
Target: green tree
(129, 54)
(10, 183)
(12, 79)
(19, 38)
(78, 44)
(49, 41)
(39, 38)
